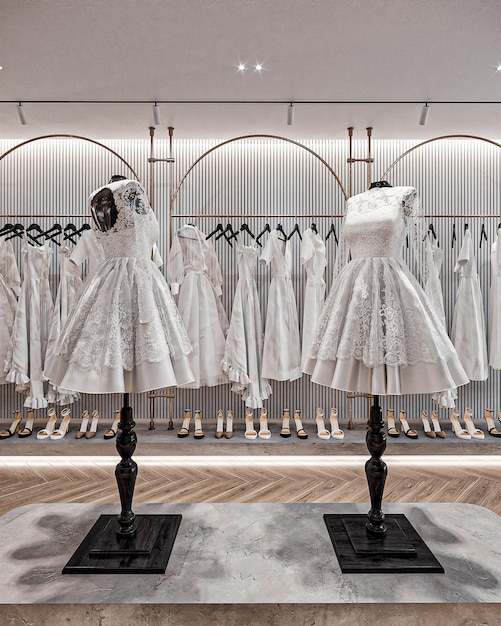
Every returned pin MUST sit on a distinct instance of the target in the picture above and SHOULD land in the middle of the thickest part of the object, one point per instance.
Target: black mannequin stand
(137, 544)
(377, 543)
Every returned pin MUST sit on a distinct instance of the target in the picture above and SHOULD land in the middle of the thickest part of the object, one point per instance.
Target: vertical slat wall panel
(267, 178)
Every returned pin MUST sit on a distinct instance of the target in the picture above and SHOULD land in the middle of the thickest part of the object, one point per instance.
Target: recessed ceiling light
(241, 67)
(259, 67)
(498, 68)
(1, 67)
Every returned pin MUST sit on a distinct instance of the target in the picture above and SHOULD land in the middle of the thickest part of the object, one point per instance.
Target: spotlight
(22, 114)
(241, 67)
(259, 67)
(156, 115)
(290, 114)
(425, 111)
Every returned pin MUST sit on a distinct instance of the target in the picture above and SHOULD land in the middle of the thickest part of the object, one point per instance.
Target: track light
(156, 115)
(22, 114)
(290, 114)
(425, 111)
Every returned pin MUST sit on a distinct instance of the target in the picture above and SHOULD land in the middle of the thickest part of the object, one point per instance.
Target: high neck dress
(125, 333)
(378, 332)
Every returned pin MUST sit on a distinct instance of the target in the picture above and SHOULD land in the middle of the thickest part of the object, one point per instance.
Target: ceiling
(311, 51)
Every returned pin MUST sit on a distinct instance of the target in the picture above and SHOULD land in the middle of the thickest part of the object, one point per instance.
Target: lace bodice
(376, 221)
(136, 228)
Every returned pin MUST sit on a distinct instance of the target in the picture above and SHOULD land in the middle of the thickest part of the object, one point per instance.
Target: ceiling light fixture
(22, 114)
(290, 114)
(241, 67)
(498, 68)
(425, 111)
(258, 67)
(156, 115)
(1, 67)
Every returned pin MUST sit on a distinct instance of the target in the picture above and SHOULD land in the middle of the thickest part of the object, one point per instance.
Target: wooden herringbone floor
(93, 481)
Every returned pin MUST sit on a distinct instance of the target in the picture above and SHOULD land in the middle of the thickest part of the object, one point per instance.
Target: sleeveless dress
(10, 282)
(314, 261)
(378, 332)
(193, 271)
(243, 353)
(30, 333)
(282, 342)
(495, 305)
(125, 333)
(468, 324)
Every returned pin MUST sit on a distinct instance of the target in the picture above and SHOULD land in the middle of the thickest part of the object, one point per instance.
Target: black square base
(401, 551)
(101, 552)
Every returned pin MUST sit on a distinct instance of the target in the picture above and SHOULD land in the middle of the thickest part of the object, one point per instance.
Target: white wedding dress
(243, 353)
(494, 336)
(468, 323)
(378, 332)
(125, 333)
(10, 283)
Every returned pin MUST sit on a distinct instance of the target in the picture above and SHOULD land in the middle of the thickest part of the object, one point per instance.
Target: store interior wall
(254, 181)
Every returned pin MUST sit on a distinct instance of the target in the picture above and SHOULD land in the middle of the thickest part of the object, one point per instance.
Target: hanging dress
(468, 324)
(10, 283)
(125, 333)
(314, 261)
(70, 284)
(433, 286)
(495, 305)
(378, 332)
(30, 334)
(282, 342)
(194, 273)
(243, 353)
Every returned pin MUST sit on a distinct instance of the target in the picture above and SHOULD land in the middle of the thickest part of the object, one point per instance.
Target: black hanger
(465, 227)
(70, 231)
(54, 231)
(281, 230)
(266, 229)
(431, 230)
(453, 234)
(380, 183)
(83, 228)
(6, 229)
(219, 229)
(483, 235)
(295, 230)
(314, 228)
(16, 231)
(244, 228)
(332, 231)
(227, 233)
(34, 238)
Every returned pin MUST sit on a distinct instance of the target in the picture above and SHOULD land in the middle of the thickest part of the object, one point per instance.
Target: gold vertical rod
(350, 162)
(369, 156)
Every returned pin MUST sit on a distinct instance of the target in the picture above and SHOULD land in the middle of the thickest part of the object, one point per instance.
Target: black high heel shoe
(13, 428)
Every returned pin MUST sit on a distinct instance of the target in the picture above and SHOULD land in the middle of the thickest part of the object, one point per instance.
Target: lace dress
(314, 261)
(495, 305)
(10, 282)
(282, 343)
(30, 333)
(378, 332)
(125, 333)
(193, 271)
(468, 324)
(243, 353)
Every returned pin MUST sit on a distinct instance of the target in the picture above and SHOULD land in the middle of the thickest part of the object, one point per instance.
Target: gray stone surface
(239, 554)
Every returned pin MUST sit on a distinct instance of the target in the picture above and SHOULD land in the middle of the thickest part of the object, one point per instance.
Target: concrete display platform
(248, 559)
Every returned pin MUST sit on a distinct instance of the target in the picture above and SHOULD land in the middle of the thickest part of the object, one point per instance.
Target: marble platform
(267, 562)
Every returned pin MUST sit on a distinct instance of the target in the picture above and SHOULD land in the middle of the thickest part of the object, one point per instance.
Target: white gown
(193, 271)
(243, 353)
(314, 261)
(433, 286)
(10, 283)
(494, 336)
(282, 343)
(378, 332)
(125, 333)
(30, 334)
(70, 284)
(468, 324)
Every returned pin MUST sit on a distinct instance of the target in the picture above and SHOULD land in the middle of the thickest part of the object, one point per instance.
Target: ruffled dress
(10, 283)
(243, 355)
(125, 333)
(378, 332)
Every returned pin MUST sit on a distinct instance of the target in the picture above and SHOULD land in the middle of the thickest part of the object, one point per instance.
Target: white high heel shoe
(250, 433)
(322, 432)
(476, 433)
(336, 432)
(60, 432)
(459, 431)
(390, 422)
(264, 431)
(199, 433)
(219, 425)
(46, 432)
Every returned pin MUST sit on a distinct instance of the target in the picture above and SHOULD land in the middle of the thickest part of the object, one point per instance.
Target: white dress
(70, 284)
(468, 324)
(494, 337)
(243, 353)
(378, 332)
(193, 271)
(10, 283)
(433, 286)
(314, 261)
(25, 359)
(125, 333)
(282, 343)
